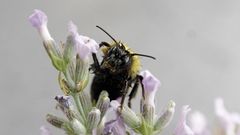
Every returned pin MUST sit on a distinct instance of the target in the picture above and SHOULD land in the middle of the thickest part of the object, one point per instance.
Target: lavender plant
(71, 59)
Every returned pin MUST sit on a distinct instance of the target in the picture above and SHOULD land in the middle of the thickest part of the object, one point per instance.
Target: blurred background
(196, 43)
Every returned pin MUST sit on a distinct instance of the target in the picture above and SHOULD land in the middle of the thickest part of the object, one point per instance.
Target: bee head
(117, 59)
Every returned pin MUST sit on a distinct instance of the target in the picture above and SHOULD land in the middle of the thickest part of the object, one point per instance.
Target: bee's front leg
(95, 67)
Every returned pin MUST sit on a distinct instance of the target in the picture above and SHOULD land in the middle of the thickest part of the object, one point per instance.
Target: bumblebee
(118, 71)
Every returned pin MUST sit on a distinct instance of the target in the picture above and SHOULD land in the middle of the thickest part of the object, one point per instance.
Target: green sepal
(55, 55)
(68, 52)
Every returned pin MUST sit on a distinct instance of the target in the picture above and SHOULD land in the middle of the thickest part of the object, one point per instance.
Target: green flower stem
(79, 106)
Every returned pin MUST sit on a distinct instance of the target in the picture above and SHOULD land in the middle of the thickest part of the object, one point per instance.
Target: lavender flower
(198, 123)
(115, 127)
(45, 131)
(182, 128)
(151, 84)
(229, 122)
(39, 20)
(83, 45)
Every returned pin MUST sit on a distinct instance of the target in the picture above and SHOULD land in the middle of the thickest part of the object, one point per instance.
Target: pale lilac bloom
(45, 131)
(198, 123)
(84, 45)
(39, 20)
(150, 84)
(228, 121)
(182, 127)
(115, 127)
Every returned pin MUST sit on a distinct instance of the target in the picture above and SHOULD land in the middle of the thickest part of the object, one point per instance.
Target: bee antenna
(107, 33)
(138, 54)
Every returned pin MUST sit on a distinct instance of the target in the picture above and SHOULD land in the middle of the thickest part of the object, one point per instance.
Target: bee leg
(104, 44)
(133, 92)
(95, 66)
(124, 94)
(141, 78)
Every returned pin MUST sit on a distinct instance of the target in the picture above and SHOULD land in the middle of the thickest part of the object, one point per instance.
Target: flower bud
(166, 117)
(129, 117)
(81, 74)
(68, 52)
(77, 127)
(55, 121)
(93, 118)
(66, 106)
(64, 101)
(103, 103)
(100, 128)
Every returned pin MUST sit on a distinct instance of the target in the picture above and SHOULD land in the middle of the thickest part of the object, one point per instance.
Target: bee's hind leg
(133, 92)
(124, 93)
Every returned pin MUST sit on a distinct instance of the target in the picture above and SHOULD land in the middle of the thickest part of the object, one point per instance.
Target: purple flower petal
(72, 28)
(93, 45)
(84, 45)
(45, 131)
(182, 128)
(38, 18)
(115, 127)
(151, 84)
(115, 104)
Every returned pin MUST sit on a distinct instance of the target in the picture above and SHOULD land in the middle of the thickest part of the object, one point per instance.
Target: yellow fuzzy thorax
(135, 65)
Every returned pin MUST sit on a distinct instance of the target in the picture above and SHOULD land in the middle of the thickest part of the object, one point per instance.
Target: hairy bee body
(116, 73)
